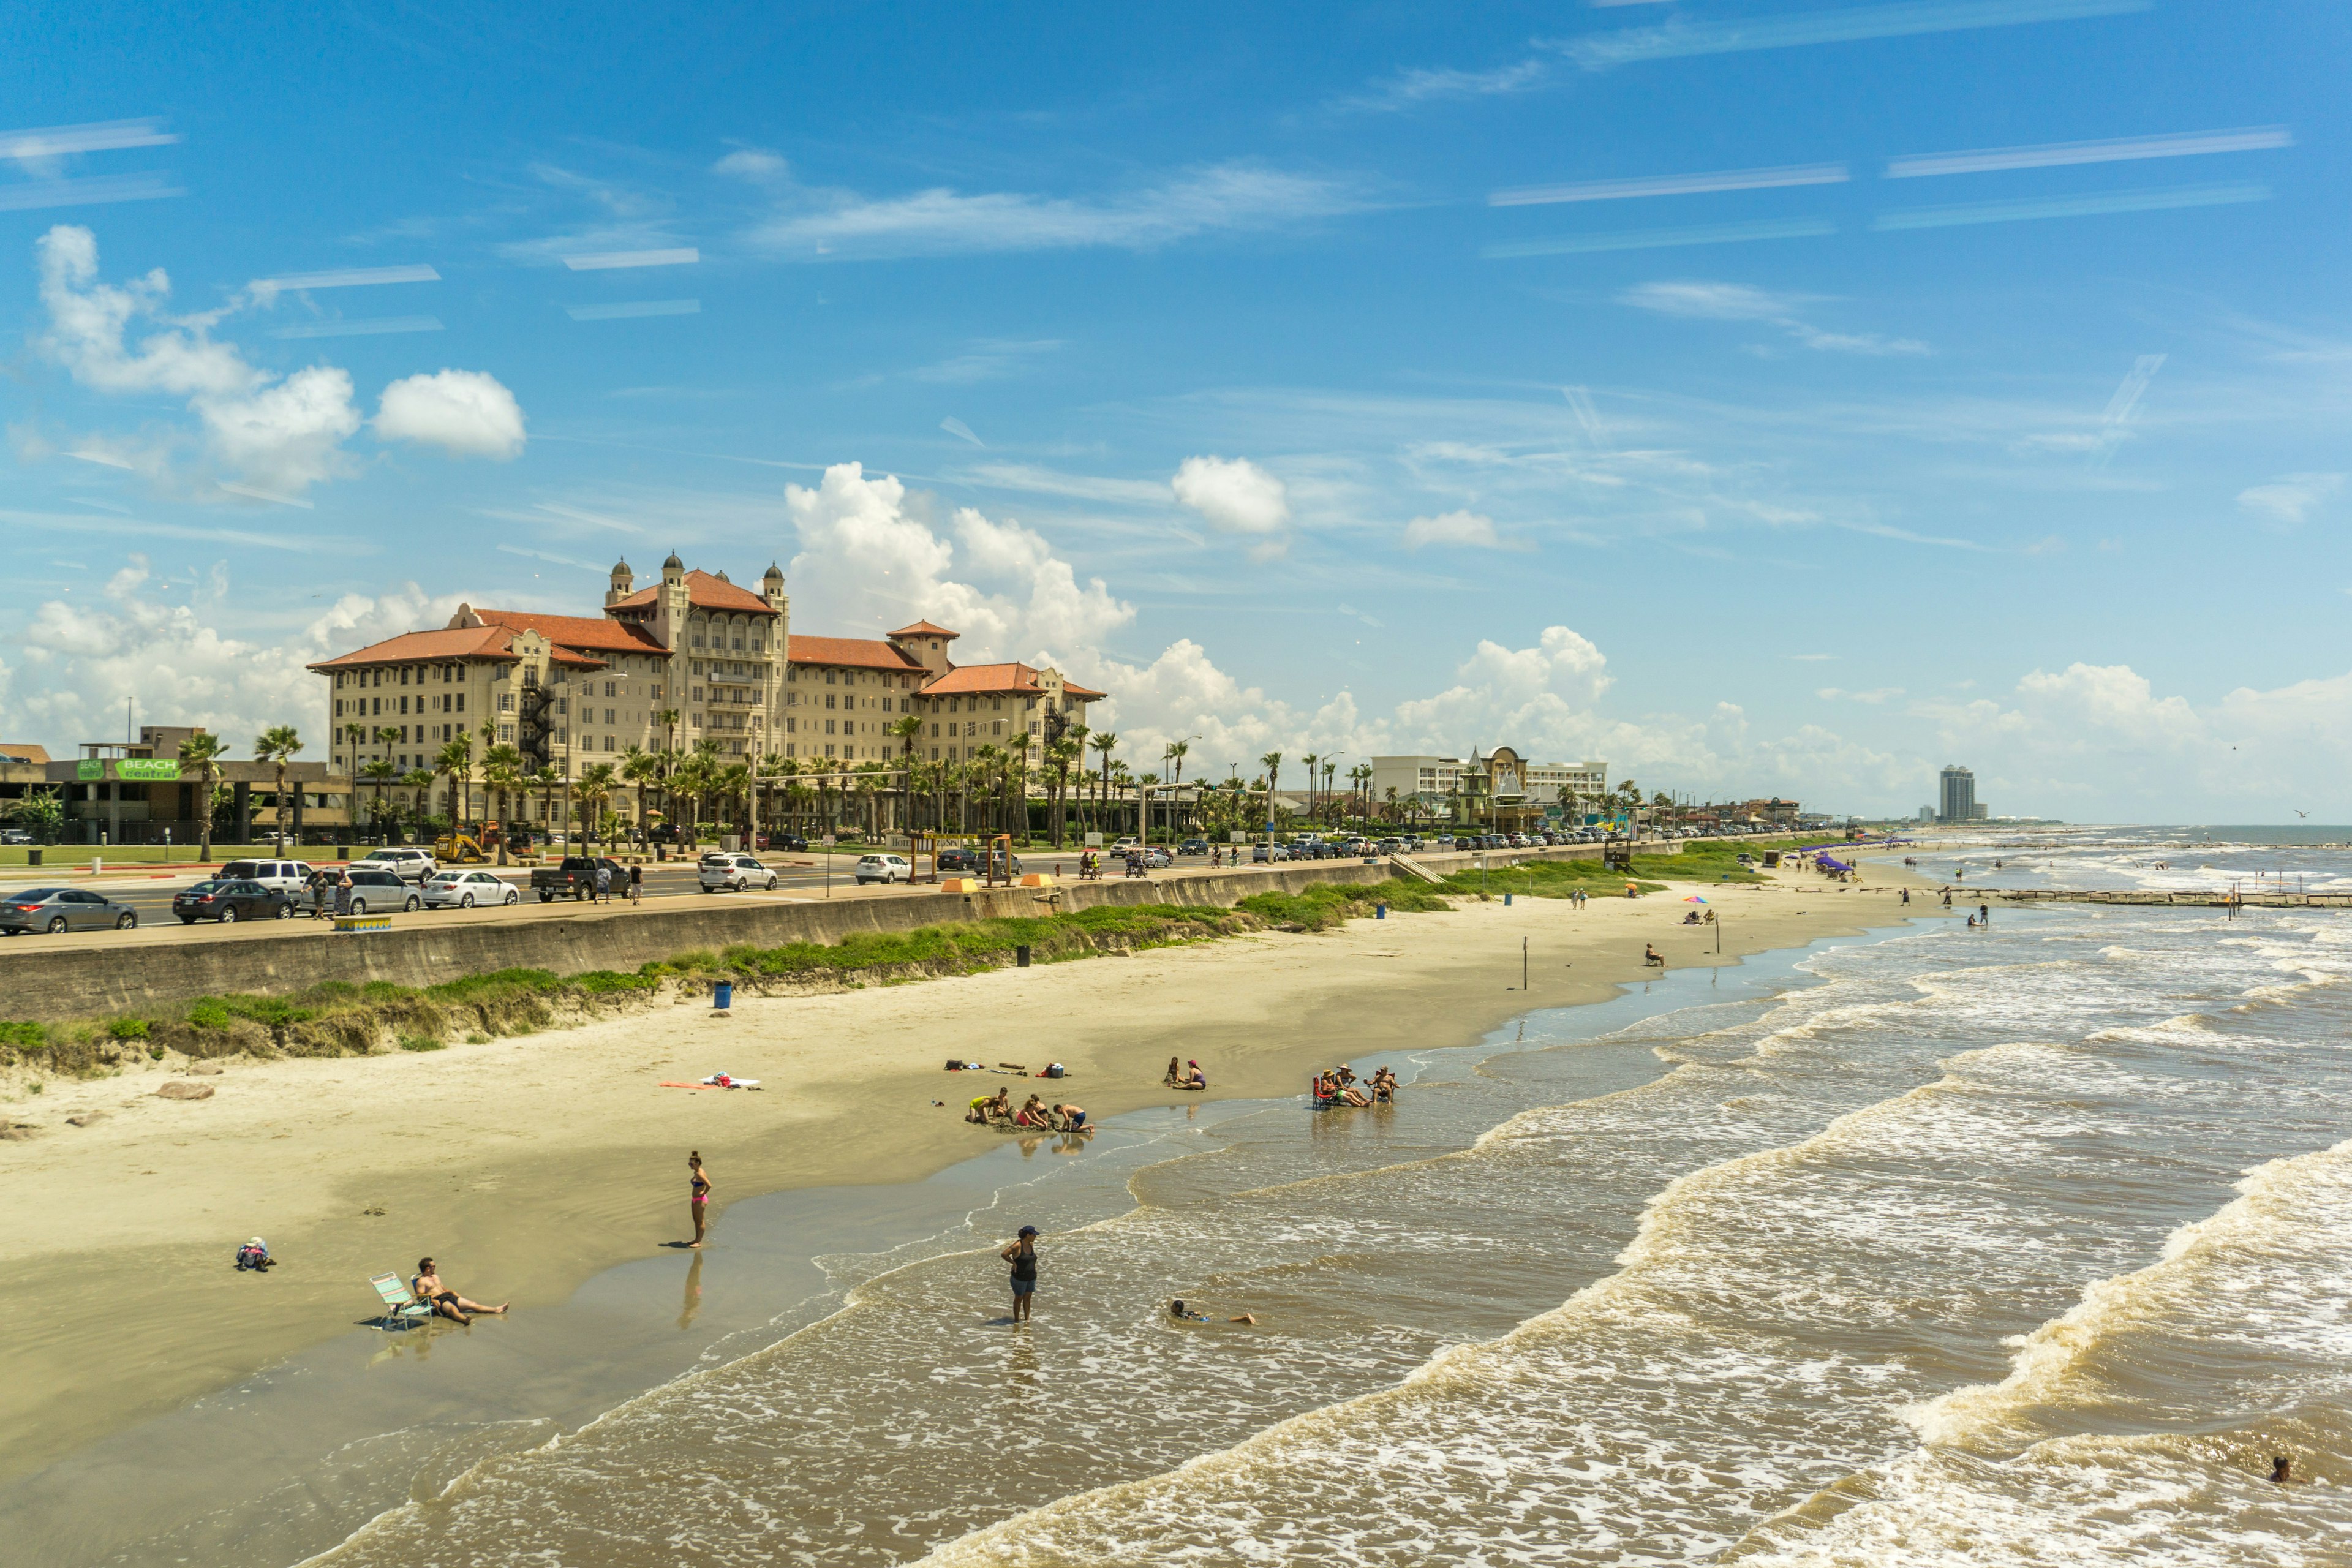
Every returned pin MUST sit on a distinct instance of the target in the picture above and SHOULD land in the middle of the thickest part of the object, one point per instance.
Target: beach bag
(252, 1256)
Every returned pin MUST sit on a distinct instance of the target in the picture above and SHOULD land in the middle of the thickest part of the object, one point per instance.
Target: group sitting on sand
(1034, 1116)
(1338, 1087)
(1188, 1076)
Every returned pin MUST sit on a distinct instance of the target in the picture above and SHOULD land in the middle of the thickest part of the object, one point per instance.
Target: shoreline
(530, 1164)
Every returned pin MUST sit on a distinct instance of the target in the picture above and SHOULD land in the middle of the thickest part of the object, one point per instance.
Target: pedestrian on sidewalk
(637, 883)
(603, 881)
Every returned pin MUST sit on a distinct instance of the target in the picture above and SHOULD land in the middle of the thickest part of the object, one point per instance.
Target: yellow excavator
(464, 849)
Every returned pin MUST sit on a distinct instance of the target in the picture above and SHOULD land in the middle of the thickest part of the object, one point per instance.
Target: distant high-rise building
(1960, 795)
(1927, 814)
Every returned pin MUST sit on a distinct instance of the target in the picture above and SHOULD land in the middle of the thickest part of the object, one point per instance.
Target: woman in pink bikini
(701, 1187)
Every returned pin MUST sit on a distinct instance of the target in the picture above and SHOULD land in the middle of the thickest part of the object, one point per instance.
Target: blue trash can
(723, 995)
(1506, 900)
(1380, 911)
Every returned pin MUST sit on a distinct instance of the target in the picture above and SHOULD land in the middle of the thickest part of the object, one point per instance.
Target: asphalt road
(798, 876)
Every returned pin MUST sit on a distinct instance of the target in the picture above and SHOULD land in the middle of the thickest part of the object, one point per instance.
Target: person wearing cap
(1022, 1254)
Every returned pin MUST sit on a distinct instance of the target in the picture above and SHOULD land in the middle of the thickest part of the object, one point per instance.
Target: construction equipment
(462, 849)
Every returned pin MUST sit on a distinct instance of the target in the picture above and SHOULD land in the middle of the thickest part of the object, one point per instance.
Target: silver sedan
(56, 910)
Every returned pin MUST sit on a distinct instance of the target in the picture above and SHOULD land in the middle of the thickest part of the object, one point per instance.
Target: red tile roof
(28, 752)
(1071, 689)
(924, 629)
(705, 591)
(581, 632)
(426, 647)
(985, 678)
(866, 653)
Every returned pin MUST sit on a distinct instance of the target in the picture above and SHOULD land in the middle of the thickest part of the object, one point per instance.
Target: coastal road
(799, 879)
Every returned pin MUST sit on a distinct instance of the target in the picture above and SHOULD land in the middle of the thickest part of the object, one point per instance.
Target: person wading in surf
(1022, 1255)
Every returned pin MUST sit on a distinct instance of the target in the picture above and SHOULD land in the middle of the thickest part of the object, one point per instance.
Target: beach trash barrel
(722, 995)
(32, 857)
(1506, 900)
(1380, 911)
(1021, 957)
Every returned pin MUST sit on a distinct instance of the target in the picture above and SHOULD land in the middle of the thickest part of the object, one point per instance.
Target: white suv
(736, 873)
(408, 865)
(287, 877)
(884, 869)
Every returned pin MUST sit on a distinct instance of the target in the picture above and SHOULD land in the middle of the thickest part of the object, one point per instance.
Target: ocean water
(2024, 1246)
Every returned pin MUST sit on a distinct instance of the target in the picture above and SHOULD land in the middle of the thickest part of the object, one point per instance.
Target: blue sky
(1787, 396)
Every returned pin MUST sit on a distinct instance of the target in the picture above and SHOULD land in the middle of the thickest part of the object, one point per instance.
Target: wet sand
(527, 1166)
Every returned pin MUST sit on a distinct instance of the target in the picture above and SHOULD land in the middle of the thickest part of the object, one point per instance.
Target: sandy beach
(527, 1165)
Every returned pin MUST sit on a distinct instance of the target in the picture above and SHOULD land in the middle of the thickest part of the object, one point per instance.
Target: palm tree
(1312, 761)
(1329, 806)
(380, 773)
(1103, 741)
(276, 745)
(1272, 764)
(455, 763)
(547, 781)
(1059, 755)
(596, 783)
(503, 770)
(202, 753)
(641, 769)
(905, 730)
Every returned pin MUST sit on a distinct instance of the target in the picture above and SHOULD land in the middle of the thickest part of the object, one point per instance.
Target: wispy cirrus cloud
(1672, 185)
(1416, 86)
(2290, 499)
(1681, 37)
(2115, 149)
(985, 359)
(1740, 302)
(813, 225)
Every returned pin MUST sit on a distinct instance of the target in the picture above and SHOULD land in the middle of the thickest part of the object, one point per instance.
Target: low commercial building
(139, 791)
(1500, 786)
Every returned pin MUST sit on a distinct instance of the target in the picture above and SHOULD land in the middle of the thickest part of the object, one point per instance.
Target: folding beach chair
(401, 1308)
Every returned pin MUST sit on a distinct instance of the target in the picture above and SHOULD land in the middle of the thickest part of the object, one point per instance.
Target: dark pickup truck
(576, 878)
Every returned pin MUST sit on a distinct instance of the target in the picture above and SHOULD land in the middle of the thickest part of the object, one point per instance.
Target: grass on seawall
(337, 1018)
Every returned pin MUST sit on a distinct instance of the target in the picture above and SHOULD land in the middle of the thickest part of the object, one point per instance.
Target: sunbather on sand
(441, 1299)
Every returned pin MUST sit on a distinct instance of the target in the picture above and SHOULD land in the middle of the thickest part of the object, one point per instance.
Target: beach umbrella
(1693, 899)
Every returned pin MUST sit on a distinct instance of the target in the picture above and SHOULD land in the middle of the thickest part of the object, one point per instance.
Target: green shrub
(26, 1036)
(419, 1043)
(128, 1028)
(208, 1013)
(612, 982)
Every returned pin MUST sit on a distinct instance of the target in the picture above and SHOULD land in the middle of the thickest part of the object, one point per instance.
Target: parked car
(1268, 854)
(58, 909)
(229, 900)
(1124, 844)
(409, 864)
(381, 891)
(575, 877)
(735, 873)
(1193, 847)
(464, 889)
(884, 869)
(792, 841)
(287, 877)
(14, 835)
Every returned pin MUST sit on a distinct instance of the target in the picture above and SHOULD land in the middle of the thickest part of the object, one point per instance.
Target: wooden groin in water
(2220, 898)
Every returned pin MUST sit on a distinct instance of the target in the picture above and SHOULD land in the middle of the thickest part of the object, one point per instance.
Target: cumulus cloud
(2289, 500)
(871, 554)
(185, 652)
(1740, 302)
(467, 412)
(261, 434)
(1232, 495)
(1461, 530)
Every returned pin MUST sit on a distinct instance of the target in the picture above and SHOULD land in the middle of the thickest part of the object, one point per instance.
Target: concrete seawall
(63, 984)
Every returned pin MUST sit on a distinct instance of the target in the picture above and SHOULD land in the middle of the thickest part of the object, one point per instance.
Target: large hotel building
(691, 658)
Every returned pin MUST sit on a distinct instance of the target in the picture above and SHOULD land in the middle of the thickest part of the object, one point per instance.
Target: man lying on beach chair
(439, 1297)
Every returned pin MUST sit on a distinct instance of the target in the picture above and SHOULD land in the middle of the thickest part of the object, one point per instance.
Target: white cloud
(2290, 499)
(467, 412)
(754, 164)
(263, 435)
(870, 554)
(1232, 495)
(1462, 530)
(187, 653)
(816, 225)
(1874, 696)
(1740, 302)
(984, 360)
(1418, 85)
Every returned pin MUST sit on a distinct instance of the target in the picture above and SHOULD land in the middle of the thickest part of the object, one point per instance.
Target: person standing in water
(698, 1184)
(1022, 1255)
